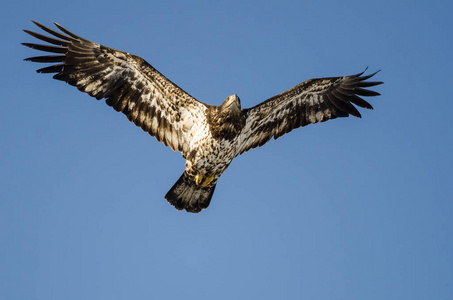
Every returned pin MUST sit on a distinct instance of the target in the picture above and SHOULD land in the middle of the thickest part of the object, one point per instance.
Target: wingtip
(29, 45)
(376, 72)
(356, 114)
(36, 23)
(367, 76)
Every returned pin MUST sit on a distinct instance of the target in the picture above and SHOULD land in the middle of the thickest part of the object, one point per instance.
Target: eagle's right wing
(127, 82)
(313, 101)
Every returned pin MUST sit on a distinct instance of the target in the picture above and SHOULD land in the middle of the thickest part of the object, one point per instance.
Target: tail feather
(185, 194)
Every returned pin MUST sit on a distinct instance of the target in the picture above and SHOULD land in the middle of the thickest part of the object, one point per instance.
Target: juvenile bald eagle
(208, 136)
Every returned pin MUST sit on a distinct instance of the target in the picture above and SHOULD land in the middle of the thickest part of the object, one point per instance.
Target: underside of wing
(313, 101)
(127, 82)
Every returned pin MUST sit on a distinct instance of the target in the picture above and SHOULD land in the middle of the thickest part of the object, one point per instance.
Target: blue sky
(348, 209)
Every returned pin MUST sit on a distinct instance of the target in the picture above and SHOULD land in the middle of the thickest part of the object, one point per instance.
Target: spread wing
(127, 82)
(313, 101)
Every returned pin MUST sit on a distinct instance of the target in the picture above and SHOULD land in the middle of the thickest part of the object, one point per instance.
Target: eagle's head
(232, 105)
(226, 120)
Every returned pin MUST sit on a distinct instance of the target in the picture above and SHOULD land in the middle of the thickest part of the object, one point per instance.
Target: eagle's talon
(198, 179)
(204, 182)
(208, 180)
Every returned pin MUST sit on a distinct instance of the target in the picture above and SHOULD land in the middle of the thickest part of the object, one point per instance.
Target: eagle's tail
(185, 194)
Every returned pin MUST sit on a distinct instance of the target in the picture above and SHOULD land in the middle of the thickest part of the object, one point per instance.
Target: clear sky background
(347, 209)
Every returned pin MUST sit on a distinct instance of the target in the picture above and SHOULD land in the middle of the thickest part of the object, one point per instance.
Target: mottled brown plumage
(208, 136)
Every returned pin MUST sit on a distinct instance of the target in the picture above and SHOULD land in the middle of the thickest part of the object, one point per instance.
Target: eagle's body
(210, 153)
(209, 137)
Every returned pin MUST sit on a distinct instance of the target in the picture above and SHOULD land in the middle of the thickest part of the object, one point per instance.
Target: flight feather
(315, 100)
(128, 83)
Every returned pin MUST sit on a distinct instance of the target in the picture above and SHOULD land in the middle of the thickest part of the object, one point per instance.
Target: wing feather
(127, 82)
(313, 101)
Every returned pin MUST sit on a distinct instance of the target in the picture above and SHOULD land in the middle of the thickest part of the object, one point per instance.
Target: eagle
(208, 136)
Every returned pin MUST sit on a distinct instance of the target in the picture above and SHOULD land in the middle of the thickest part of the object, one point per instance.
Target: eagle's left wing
(127, 82)
(313, 101)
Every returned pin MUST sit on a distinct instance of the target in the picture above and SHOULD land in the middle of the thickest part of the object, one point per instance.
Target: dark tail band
(185, 194)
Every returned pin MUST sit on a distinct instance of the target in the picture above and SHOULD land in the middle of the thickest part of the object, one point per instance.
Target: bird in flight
(208, 136)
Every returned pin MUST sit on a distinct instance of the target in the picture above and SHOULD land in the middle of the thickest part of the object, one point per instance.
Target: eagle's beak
(236, 99)
(232, 101)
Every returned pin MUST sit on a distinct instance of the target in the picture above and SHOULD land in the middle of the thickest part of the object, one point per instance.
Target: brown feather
(47, 59)
(315, 100)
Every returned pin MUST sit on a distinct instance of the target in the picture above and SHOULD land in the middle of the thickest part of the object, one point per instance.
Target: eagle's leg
(207, 180)
(198, 179)
(204, 182)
